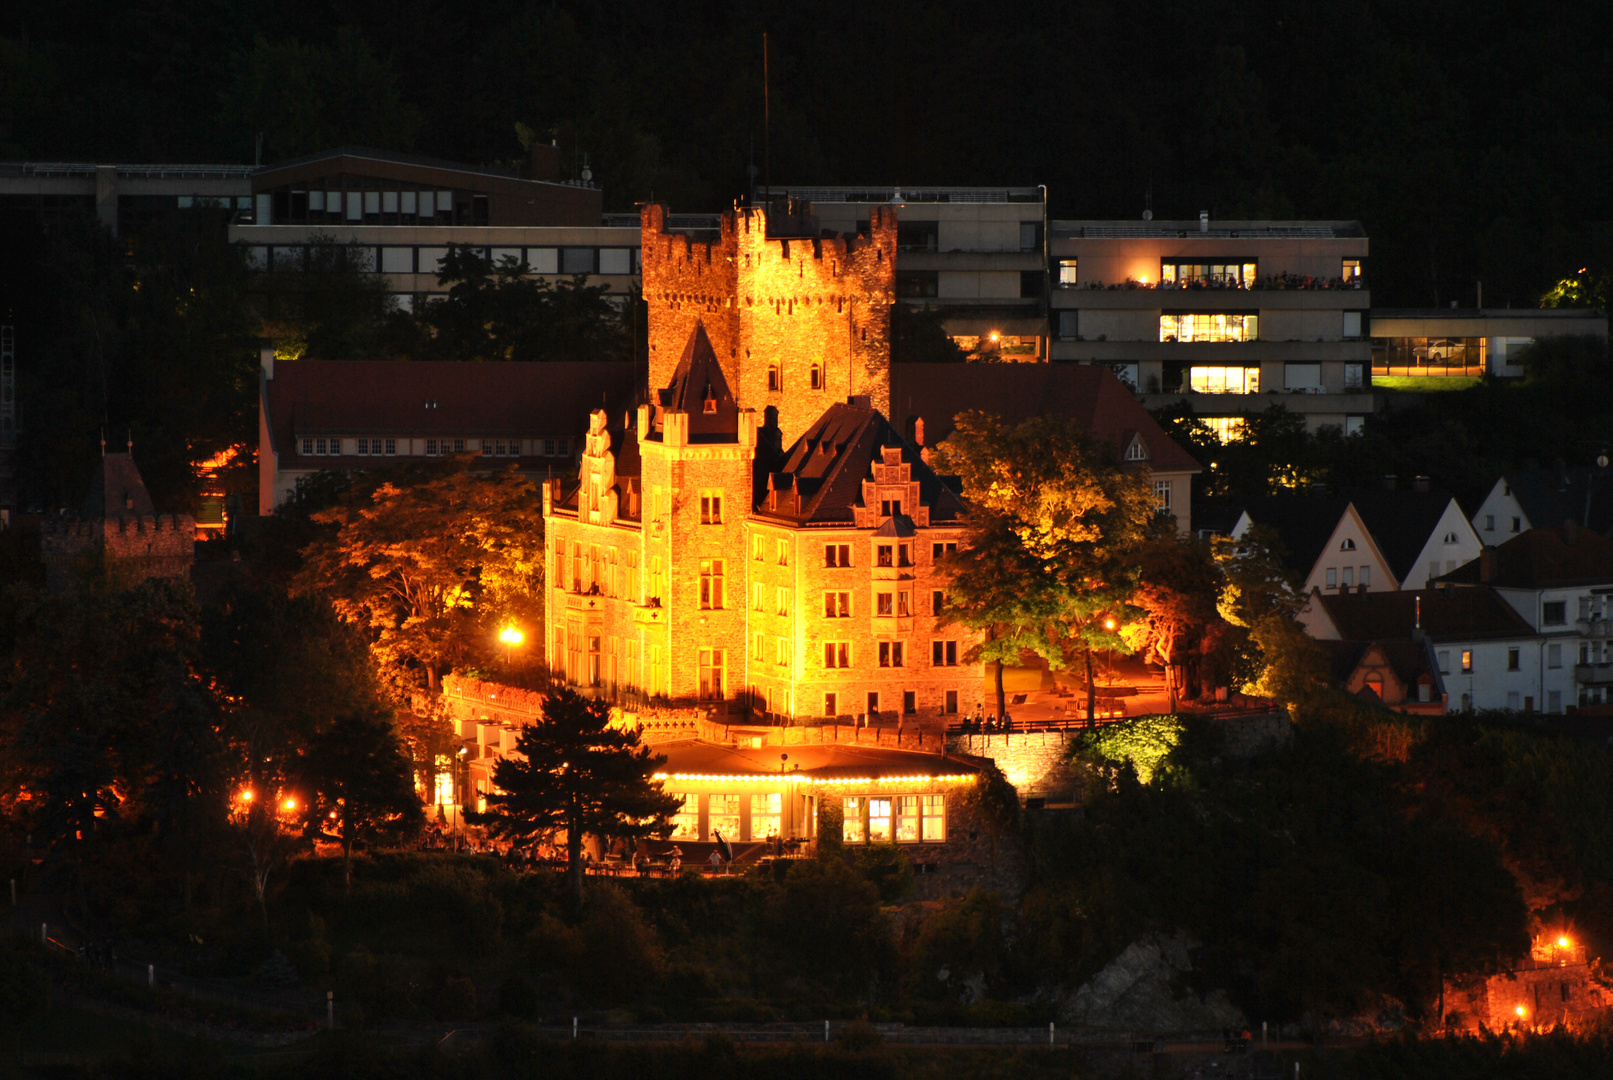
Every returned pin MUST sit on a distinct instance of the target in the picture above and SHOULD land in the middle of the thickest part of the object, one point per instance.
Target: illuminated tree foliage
(1176, 592)
(1054, 521)
(573, 771)
(430, 563)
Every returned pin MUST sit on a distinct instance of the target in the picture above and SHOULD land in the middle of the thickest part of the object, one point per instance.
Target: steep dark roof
(434, 398)
(1087, 393)
(1408, 659)
(1304, 524)
(1216, 518)
(1553, 496)
(1400, 522)
(1542, 559)
(697, 380)
(1447, 615)
(828, 464)
(117, 491)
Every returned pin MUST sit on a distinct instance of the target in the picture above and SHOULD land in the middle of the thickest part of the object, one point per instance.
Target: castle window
(890, 508)
(837, 555)
(934, 815)
(711, 672)
(883, 555)
(891, 654)
(782, 652)
(781, 599)
(711, 508)
(836, 654)
(772, 377)
(882, 603)
(783, 550)
(938, 551)
(944, 654)
(904, 555)
(902, 608)
(952, 701)
(837, 605)
(830, 705)
(711, 584)
(817, 376)
(758, 544)
(909, 702)
(758, 593)
(757, 645)
(879, 821)
(655, 578)
(938, 602)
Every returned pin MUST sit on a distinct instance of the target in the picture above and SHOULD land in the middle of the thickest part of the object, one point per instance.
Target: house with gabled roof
(1527, 499)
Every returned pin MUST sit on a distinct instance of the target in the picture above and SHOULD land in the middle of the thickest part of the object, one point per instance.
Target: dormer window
(1136, 451)
(709, 405)
(1450, 538)
(890, 508)
(1347, 544)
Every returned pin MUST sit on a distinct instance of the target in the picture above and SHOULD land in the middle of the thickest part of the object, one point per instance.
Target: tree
(1053, 521)
(919, 336)
(575, 772)
(501, 312)
(331, 305)
(360, 776)
(1176, 595)
(431, 597)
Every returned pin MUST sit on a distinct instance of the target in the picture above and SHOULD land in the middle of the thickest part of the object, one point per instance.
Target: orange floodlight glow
(1562, 943)
(290, 804)
(246, 795)
(1521, 1011)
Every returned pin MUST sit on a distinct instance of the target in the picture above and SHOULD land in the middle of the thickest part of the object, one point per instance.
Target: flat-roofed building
(1427, 348)
(1228, 317)
(976, 255)
(124, 197)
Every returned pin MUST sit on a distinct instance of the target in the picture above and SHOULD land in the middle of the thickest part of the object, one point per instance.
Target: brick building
(119, 522)
(694, 560)
(797, 319)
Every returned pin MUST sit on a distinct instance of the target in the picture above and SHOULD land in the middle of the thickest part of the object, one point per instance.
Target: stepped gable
(823, 473)
(699, 388)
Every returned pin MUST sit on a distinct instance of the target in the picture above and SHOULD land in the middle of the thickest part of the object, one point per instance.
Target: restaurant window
(765, 814)
(1223, 380)
(879, 821)
(836, 654)
(1223, 274)
(711, 508)
(686, 822)
(837, 555)
(1067, 273)
(722, 815)
(711, 674)
(837, 605)
(907, 819)
(934, 812)
(851, 826)
(711, 584)
(1209, 327)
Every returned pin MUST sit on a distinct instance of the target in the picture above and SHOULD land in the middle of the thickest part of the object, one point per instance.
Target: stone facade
(119, 523)
(798, 320)
(1037, 763)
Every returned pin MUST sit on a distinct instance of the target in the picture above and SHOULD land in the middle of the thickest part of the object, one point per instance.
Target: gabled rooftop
(1541, 559)
(828, 464)
(117, 491)
(700, 389)
(1445, 614)
(1552, 496)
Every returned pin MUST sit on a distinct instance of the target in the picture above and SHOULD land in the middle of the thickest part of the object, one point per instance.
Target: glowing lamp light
(1521, 1011)
(1108, 624)
(246, 795)
(289, 804)
(1562, 943)
(511, 636)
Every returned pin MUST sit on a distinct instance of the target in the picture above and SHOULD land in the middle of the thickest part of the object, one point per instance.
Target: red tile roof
(1447, 615)
(1543, 558)
(1087, 393)
(414, 399)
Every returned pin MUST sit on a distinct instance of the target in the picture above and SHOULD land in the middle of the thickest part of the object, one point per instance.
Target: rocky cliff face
(1138, 991)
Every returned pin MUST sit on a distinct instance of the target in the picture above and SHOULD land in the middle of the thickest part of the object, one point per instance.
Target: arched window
(817, 376)
(1347, 545)
(772, 377)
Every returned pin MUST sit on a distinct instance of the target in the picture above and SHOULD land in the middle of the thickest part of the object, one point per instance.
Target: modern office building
(1428, 348)
(977, 255)
(124, 197)
(1229, 317)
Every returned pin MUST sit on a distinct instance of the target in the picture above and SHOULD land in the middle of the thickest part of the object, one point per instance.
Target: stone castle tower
(798, 320)
(119, 521)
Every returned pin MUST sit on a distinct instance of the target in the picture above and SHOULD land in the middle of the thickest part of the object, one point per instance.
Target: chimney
(1487, 564)
(1422, 483)
(1389, 481)
(1204, 221)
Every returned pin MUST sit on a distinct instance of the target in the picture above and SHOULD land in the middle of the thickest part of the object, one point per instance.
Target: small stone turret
(119, 520)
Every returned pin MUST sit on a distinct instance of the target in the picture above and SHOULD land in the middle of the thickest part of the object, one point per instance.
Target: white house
(1545, 498)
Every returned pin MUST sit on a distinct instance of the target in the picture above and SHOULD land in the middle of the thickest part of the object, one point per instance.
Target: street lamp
(511, 636)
